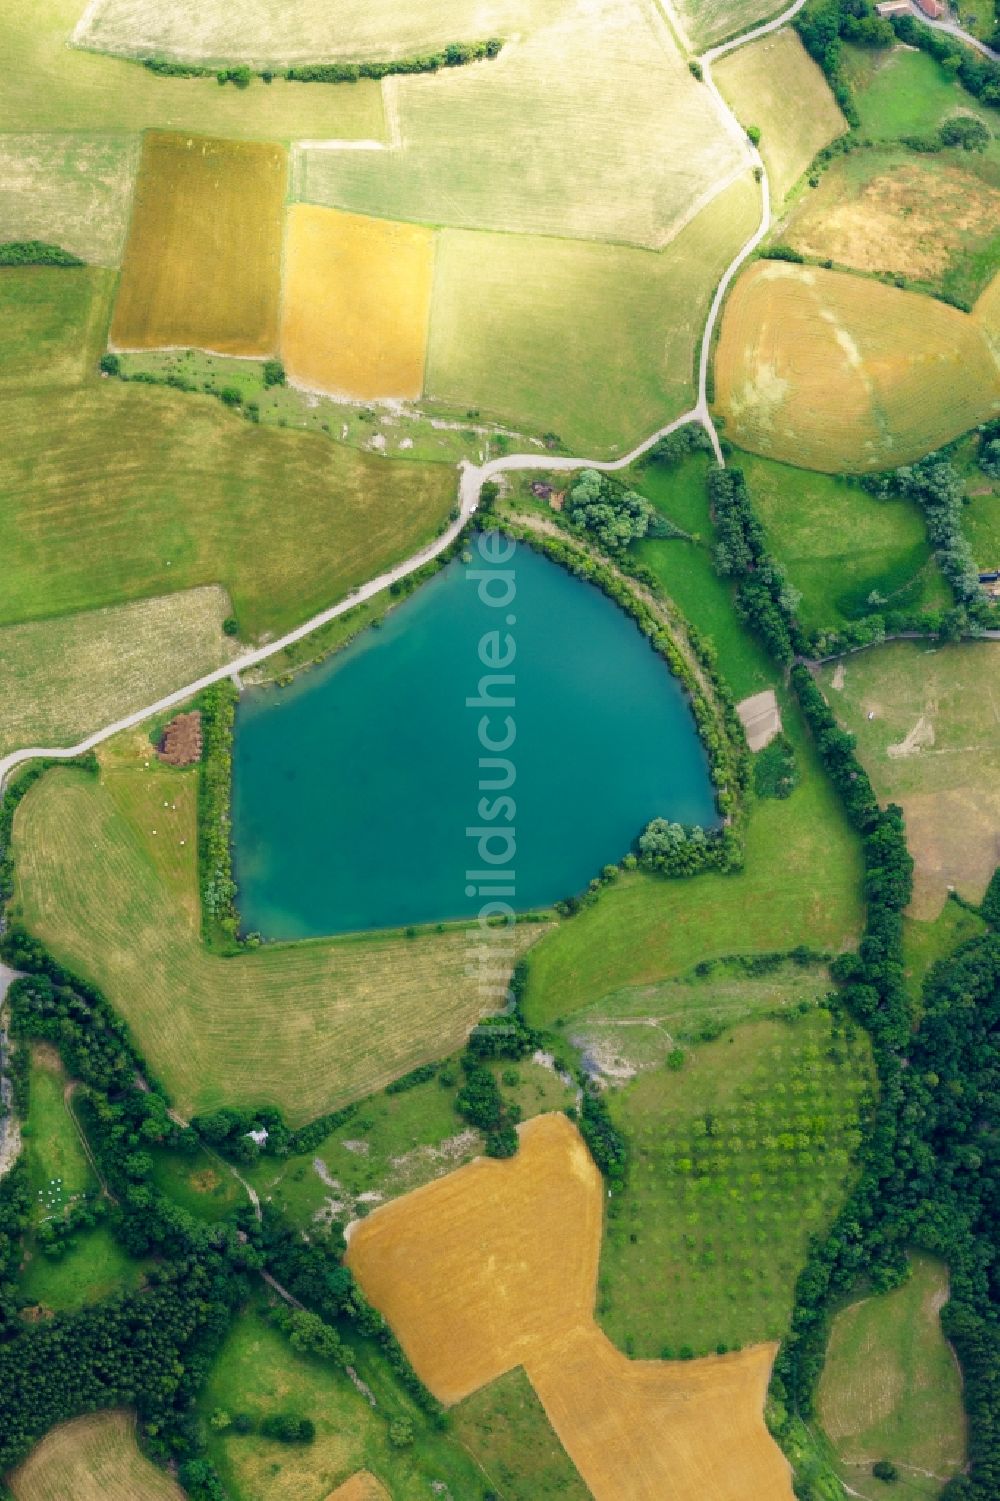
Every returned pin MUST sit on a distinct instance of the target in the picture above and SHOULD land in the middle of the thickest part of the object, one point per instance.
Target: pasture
(306, 31)
(528, 328)
(931, 746)
(903, 92)
(931, 219)
(94, 1268)
(203, 259)
(891, 1387)
(68, 676)
(738, 1158)
(840, 546)
(73, 190)
(687, 571)
(504, 1427)
(800, 884)
(58, 1170)
(927, 941)
(538, 141)
(257, 1372)
(107, 879)
(153, 490)
(355, 303)
(774, 84)
(831, 371)
(53, 323)
(472, 1289)
(95, 1458)
(494, 1267)
(48, 83)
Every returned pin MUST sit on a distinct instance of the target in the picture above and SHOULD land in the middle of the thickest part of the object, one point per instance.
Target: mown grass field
(301, 31)
(505, 1428)
(831, 371)
(58, 1170)
(839, 545)
(931, 747)
(203, 259)
(708, 22)
(395, 1143)
(687, 572)
(931, 219)
(71, 675)
(96, 1268)
(738, 1157)
(48, 83)
(903, 92)
(95, 1458)
(257, 1372)
(891, 1387)
(355, 303)
(71, 189)
(106, 877)
(774, 84)
(538, 141)
(801, 885)
(528, 328)
(152, 490)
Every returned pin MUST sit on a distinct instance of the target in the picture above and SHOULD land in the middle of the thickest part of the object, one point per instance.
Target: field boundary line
(471, 477)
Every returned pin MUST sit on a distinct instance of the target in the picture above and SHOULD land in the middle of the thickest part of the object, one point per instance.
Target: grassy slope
(706, 1241)
(774, 84)
(529, 330)
(48, 84)
(94, 1458)
(687, 573)
(947, 776)
(106, 881)
(891, 1388)
(257, 1372)
(151, 489)
(905, 93)
(73, 188)
(801, 884)
(838, 544)
(67, 676)
(504, 1426)
(540, 141)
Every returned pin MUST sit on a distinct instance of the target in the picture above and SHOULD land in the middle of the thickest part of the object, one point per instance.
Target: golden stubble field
(840, 373)
(202, 264)
(95, 1458)
(495, 1266)
(360, 1487)
(356, 303)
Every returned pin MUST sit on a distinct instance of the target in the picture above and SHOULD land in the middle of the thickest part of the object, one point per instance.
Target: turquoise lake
(354, 789)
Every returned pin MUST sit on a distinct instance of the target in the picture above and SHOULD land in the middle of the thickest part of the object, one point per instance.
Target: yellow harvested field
(655, 1430)
(95, 1458)
(839, 373)
(480, 1269)
(360, 1487)
(775, 85)
(202, 265)
(495, 1266)
(987, 314)
(356, 303)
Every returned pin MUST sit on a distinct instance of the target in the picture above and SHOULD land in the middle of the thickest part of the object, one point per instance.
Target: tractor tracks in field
(472, 477)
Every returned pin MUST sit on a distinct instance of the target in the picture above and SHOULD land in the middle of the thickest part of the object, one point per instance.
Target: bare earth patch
(760, 718)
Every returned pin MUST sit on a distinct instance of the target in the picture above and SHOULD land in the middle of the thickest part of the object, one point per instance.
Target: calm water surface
(355, 787)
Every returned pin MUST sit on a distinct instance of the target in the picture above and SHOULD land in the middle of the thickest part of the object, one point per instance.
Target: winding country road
(472, 477)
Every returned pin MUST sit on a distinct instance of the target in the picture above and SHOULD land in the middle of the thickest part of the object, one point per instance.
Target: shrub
(274, 373)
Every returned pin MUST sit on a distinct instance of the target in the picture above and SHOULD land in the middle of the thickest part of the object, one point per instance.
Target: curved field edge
(93, 1458)
(106, 878)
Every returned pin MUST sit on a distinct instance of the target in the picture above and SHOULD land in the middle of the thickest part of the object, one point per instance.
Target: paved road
(952, 28)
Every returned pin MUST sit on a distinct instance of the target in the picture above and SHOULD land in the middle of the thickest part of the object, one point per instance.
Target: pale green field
(932, 747)
(66, 677)
(259, 32)
(107, 879)
(775, 85)
(590, 127)
(48, 85)
(53, 326)
(72, 190)
(708, 22)
(891, 1387)
(594, 342)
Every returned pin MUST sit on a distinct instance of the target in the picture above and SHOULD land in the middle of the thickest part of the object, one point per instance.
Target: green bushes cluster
(674, 849)
(35, 253)
(241, 75)
(936, 486)
(608, 1146)
(774, 770)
